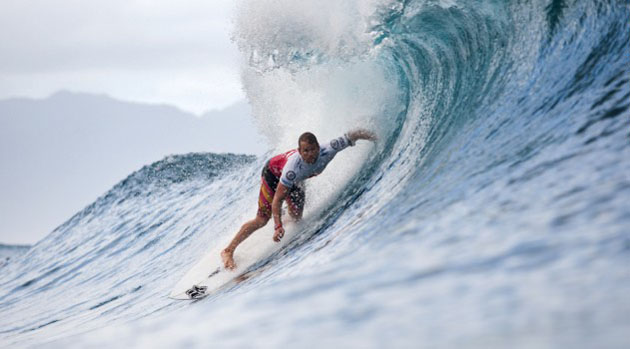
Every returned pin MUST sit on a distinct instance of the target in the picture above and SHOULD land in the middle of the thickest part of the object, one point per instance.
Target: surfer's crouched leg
(265, 197)
(227, 255)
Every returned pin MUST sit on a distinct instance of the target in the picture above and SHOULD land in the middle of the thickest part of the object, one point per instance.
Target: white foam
(283, 28)
(343, 89)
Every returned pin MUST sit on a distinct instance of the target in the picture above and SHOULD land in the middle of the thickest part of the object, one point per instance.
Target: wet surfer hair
(308, 138)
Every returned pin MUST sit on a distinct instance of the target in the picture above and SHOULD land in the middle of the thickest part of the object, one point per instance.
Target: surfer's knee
(296, 216)
(261, 221)
(296, 213)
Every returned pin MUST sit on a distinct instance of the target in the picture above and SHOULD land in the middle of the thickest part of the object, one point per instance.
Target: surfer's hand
(277, 236)
(368, 135)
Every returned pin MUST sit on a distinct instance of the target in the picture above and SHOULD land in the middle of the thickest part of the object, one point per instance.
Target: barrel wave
(492, 212)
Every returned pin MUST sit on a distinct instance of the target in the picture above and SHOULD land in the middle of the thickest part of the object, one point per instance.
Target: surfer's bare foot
(228, 259)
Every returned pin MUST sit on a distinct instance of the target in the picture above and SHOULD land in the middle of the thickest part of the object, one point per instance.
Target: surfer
(282, 179)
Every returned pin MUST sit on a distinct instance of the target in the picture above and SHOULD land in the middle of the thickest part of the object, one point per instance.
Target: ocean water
(492, 212)
(9, 252)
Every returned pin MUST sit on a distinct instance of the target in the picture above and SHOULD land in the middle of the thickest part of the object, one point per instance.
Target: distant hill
(60, 153)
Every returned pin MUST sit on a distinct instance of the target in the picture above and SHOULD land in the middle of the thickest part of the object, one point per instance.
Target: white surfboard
(209, 274)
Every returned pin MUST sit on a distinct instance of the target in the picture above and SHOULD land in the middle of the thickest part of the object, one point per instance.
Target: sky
(167, 52)
(164, 52)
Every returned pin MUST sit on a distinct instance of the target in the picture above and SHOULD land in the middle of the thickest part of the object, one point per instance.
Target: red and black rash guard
(292, 169)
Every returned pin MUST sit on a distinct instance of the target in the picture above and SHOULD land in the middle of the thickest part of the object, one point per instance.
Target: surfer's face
(309, 152)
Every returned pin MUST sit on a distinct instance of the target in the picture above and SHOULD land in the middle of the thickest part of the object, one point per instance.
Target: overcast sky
(159, 52)
(173, 52)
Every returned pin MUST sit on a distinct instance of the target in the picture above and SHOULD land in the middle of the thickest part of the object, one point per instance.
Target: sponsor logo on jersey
(335, 144)
(290, 175)
(342, 142)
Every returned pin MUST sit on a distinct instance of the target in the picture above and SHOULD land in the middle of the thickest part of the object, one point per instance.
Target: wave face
(491, 213)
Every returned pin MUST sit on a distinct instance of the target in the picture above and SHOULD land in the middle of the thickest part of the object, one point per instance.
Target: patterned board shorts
(295, 198)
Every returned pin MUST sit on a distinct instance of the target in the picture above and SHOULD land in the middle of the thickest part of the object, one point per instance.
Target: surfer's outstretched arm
(361, 133)
(276, 211)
